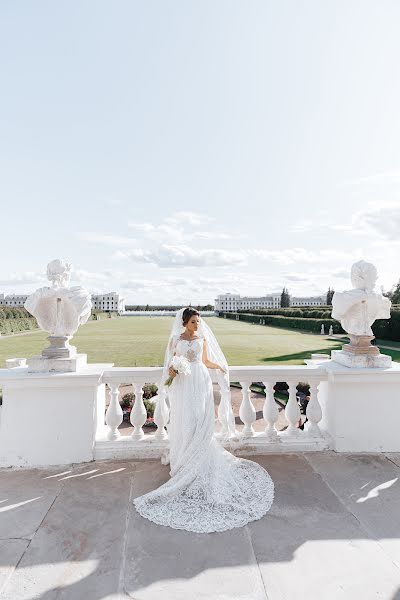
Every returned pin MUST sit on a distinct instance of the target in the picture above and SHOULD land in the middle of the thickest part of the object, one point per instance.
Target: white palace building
(233, 302)
(110, 302)
(17, 300)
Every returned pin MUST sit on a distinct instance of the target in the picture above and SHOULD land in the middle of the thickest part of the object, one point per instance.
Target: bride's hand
(172, 372)
(222, 369)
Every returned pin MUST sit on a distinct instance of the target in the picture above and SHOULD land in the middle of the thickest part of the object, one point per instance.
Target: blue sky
(176, 150)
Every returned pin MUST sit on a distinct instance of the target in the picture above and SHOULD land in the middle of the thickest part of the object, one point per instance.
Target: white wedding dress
(210, 489)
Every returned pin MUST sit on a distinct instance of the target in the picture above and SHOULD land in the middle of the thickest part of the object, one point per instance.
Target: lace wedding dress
(210, 489)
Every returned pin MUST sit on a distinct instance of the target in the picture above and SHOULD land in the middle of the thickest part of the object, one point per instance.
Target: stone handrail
(60, 418)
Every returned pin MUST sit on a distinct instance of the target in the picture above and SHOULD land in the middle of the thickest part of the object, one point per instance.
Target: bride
(210, 489)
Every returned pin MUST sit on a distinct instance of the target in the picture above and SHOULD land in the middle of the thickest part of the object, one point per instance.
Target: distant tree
(285, 298)
(394, 294)
(329, 296)
(147, 307)
(208, 307)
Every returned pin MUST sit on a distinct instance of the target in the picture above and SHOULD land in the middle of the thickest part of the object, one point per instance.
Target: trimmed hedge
(15, 325)
(384, 329)
(301, 324)
(15, 319)
(388, 329)
(14, 312)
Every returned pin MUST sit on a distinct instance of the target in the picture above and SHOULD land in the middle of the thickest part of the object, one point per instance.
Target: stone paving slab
(171, 564)
(77, 551)
(82, 538)
(369, 487)
(25, 498)
(311, 546)
(11, 552)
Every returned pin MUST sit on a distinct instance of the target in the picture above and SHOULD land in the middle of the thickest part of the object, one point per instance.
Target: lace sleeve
(172, 344)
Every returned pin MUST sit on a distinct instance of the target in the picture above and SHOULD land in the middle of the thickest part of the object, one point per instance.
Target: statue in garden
(59, 310)
(357, 309)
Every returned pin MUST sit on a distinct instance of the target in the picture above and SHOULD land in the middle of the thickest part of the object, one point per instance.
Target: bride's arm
(207, 362)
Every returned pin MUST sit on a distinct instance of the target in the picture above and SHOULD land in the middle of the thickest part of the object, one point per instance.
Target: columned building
(111, 302)
(234, 302)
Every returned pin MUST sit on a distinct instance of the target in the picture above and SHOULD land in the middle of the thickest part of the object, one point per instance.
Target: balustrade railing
(110, 442)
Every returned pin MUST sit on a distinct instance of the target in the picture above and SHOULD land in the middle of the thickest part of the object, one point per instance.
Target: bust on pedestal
(59, 310)
(357, 309)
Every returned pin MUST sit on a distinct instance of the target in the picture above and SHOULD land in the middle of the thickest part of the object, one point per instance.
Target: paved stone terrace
(333, 533)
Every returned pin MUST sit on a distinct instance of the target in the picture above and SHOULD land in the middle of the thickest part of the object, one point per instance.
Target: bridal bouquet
(181, 366)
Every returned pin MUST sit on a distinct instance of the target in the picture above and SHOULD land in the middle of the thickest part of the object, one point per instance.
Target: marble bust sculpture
(59, 310)
(357, 309)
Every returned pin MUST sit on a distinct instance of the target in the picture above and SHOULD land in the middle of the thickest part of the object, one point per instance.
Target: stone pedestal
(361, 345)
(50, 418)
(364, 361)
(59, 347)
(361, 408)
(361, 354)
(40, 364)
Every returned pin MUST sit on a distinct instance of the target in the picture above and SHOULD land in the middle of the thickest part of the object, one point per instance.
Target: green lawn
(140, 341)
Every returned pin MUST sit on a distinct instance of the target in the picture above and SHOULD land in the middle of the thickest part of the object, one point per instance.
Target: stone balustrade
(61, 418)
(110, 443)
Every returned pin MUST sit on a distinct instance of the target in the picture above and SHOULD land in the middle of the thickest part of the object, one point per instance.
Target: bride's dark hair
(188, 313)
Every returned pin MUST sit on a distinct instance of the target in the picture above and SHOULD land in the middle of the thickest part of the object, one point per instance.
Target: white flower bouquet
(181, 366)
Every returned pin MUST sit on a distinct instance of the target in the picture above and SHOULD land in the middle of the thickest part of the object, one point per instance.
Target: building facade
(111, 302)
(17, 300)
(235, 302)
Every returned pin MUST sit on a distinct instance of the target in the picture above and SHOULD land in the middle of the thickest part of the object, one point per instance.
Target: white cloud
(106, 238)
(180, 227)
(289, 256)
(168, 256)
(377, 218)
(28, 277)
(295, 277)
(341, 274)
(213, 235)
(383, 220)
(376, 178)
(188, 218)
(84, 276)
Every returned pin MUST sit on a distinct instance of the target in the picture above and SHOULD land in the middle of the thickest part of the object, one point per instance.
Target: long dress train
(210, 489)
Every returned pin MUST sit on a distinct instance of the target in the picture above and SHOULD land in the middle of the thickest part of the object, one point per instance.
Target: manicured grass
(393, 353)
(141, 341)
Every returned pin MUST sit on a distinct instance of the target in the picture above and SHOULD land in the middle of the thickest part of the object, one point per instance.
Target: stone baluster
(138, 413)
(313, 412)
(292, 413)
(161, 415)
(270, 413)
(246, 411)
(114, 414)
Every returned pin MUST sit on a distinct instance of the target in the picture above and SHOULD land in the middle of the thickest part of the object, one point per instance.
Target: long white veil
(228, 432)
